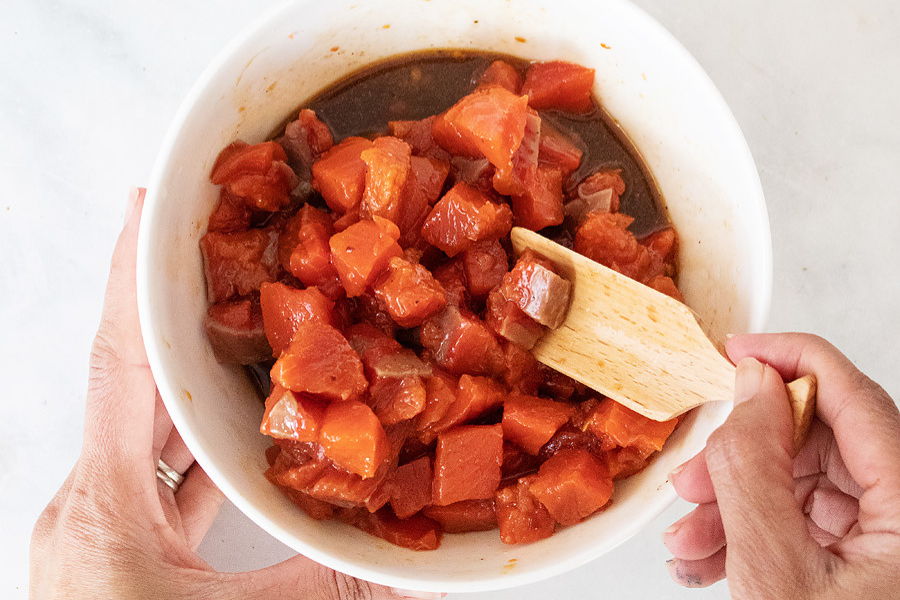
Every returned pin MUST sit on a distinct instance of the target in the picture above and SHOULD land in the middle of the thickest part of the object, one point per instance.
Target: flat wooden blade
(628, 341)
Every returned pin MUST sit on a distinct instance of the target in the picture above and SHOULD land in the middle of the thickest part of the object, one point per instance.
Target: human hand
(114, 530)
(825, 524)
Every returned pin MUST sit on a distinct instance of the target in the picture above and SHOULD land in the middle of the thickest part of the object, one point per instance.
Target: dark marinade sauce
(420, 84)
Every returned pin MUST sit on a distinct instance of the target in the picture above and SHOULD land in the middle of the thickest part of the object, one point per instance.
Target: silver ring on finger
(168, 475)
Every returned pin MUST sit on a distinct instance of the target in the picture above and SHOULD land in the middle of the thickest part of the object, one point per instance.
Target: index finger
(864, 419)
(121, 394)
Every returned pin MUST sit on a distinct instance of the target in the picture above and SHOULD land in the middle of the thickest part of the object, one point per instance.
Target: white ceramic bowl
(655, 89)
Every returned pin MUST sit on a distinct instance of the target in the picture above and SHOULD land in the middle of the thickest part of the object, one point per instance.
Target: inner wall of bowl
(659, 95)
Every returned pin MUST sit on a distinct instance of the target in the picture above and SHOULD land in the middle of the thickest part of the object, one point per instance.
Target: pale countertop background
(87, 90)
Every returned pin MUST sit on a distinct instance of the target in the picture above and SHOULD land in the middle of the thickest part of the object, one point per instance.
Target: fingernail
(133, 196)
(748, 379)
(676, 471)
(413, 595)
(674, 527)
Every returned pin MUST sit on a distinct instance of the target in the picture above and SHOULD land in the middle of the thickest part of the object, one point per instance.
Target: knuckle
(105, 362)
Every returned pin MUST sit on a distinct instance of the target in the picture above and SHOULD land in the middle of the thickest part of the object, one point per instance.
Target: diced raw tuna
(418, 135)
(348, 490)
(230, 215)
(361, 252)
(503, 74)
(340, 174)
(352, 436)
(530, 421)
(423, 188)
(559, 386)
(666, 285)
(351, 217)
(599, 192)
(237, 263)
(484, 264)
(387, 169)
(292, 416)
(467, 515)
(541, 205)
(411, 487)
(489, 123)
(559, 85)
(517, 463)
(303, 246)
(461, 343)
(474, 397)
(627, 428)
(572, 485)
(235, 332)
(467, 463)
(569, 437)
(521, 518)
(664, 242)
(522, 373)
(317, 509)
(383, 356)
(440, 395)
(256, 173)
(508, 321)
(516, 178)
(289, 472)
(477, 172)
(415, 533)
(625, 462)
(284, 308)
(604, 238)
(304, 140)
(557, 150)
(452, 277)
(320, 361)
(409, 292)
(396, 399)
(465, 216)
(537, 290)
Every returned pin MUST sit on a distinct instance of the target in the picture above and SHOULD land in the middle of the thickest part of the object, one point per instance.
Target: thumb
(750, 465)
(300, 577)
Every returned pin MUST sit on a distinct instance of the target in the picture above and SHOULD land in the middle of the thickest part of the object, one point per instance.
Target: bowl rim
(762, 277)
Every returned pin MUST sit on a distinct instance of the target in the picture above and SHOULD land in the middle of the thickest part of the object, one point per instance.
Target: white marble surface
(88, 89)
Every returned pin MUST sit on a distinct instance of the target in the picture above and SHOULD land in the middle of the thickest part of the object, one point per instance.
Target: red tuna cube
(465, 216)
(461, 343)
(237, 263)
(235, 331)
(409, 292)
(559, 85)
(292, 416)
(320, 361)
(256, 173)
(284, 308)
(411, 487)
(361, 252)
(387, 169)
(352, 436)
(521, 518)
(530, 421)
(467, 515)
(467, 463)
(340, 174)
(572, 484)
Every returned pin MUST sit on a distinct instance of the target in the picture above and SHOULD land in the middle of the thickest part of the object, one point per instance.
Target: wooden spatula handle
(802, 393)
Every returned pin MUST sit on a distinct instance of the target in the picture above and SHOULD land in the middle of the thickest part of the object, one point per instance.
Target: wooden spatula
(638, 346)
